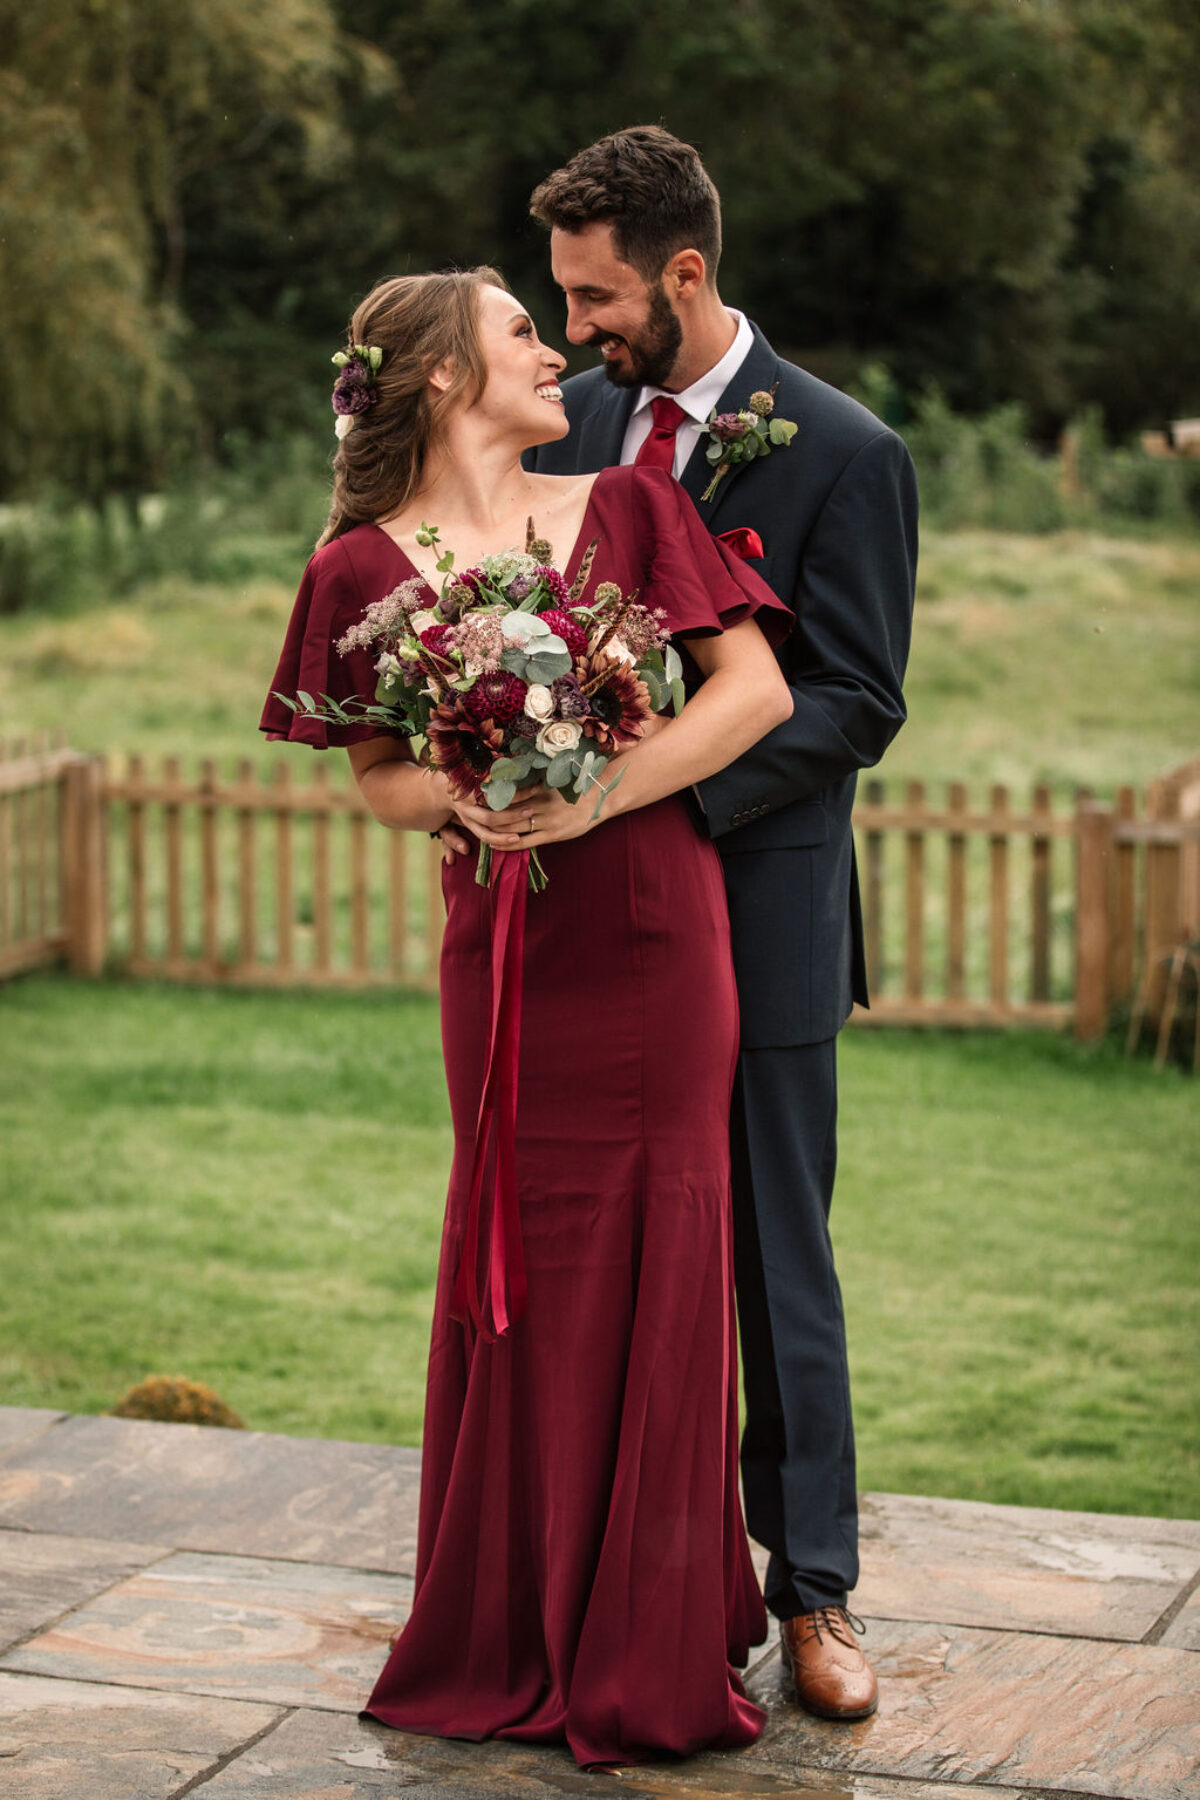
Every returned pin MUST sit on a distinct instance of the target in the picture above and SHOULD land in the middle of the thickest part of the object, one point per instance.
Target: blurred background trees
(995, 199)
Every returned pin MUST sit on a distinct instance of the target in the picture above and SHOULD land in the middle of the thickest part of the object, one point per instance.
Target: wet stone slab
(18, 1423)
(285, 1633)
(1007, 1708)
(315, 1756)
(198, 1488)
(42, 1576)
(1016, 1568)
(65, 1740)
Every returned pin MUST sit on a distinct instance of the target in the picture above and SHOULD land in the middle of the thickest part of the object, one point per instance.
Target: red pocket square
(742, 541)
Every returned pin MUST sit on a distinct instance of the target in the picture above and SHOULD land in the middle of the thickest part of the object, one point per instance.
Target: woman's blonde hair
(419, 322)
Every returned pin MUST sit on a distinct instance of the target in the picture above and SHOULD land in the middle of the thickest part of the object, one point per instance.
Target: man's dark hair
(651, 188)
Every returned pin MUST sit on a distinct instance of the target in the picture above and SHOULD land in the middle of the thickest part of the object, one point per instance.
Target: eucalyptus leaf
(508, 768)
(561, 770)
(678, 696)
(673, 663)
(499, 794)
(586, 775)
(519, 627)
(616, 781)
(782, 431)
(547, 669)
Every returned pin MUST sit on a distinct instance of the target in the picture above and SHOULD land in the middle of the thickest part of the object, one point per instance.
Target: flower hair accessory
(354, 391)
(741, 436)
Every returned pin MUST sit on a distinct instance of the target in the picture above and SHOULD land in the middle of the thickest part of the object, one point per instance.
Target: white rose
(560, 734)
(422, 621)
(388, 664)
(539, 702)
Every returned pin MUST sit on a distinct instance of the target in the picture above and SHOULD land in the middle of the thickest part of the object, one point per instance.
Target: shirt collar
(699, 400)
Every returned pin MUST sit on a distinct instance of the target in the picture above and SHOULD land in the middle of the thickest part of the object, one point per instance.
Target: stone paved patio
(198, 1611)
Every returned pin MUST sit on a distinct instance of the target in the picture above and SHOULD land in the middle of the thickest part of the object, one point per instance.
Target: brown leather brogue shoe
(831, 1675)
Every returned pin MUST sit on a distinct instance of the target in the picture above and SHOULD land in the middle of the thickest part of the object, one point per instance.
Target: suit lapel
(760, 370)
(600, 432)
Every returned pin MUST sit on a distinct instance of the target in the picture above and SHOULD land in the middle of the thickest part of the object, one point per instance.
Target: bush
(987, 471)
(257, 516)
(175, 1400)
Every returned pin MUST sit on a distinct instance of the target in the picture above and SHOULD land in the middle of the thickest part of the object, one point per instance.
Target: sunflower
(619, 703)
(462, 749)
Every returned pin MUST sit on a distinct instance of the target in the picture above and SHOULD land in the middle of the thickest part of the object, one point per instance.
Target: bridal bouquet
(511, 678)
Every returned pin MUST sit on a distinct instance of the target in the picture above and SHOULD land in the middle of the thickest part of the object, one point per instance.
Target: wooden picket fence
(975, 913)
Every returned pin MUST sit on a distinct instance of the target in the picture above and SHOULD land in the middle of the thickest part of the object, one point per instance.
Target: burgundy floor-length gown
(583, 1573)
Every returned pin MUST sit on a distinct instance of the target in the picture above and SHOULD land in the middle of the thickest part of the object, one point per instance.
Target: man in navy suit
(635, 238)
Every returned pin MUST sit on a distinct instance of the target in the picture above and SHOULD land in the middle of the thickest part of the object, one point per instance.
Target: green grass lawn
(247, 1189)
(1068, 658)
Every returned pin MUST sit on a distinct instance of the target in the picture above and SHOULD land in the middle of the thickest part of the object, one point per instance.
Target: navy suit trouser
(798, 1468)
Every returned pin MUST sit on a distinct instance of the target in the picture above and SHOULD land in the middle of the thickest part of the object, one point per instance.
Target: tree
(117, 120)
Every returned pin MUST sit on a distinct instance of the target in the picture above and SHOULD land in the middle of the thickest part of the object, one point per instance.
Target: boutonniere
(741, 436)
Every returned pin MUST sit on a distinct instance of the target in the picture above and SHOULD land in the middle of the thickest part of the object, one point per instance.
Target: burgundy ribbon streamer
(742, 540)
(504, 1289)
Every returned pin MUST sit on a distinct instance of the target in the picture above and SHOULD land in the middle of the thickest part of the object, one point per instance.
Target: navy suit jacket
(837, 514)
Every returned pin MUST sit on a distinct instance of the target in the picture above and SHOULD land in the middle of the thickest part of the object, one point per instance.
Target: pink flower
(729, 427)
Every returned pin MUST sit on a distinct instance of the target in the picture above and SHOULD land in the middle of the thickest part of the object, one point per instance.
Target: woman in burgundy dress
(583, 1573)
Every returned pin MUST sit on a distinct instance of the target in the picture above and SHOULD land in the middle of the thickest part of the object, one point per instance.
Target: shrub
(176, 1401)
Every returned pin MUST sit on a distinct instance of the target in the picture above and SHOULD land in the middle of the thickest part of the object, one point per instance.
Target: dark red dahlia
(496, 695)
(462, 749)
(437, 638)
(556, 583)
(568, 629)
(619, 702)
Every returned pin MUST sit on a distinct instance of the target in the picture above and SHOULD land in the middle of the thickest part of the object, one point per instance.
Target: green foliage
(998, 201)
(122, 128)
(988, 470)
(257, 517)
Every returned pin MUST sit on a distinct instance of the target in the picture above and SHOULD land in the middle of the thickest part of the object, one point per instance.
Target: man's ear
(684, 275)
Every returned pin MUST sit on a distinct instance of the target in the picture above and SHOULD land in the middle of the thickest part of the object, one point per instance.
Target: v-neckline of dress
(568, 572)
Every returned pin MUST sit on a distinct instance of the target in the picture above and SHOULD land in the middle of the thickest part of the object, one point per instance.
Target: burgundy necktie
(658, 451)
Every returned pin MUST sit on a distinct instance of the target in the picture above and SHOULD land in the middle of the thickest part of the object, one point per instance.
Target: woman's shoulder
(348, 550)
(358, 565)
(643, 490)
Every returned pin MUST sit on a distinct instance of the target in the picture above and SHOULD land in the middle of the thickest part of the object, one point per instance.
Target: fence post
(83, 865)
(1093, 925)
(1163, 913)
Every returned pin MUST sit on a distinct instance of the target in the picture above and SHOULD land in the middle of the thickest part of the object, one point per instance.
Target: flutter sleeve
(700, 583)
(329, 602)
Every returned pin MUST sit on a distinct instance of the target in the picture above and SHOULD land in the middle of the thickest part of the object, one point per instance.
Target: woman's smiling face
(522, 392)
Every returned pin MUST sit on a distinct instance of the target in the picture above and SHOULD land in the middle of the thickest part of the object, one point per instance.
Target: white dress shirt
(697, 401)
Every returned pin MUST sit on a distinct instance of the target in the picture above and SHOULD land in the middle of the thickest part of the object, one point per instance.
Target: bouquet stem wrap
(501, 1301)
